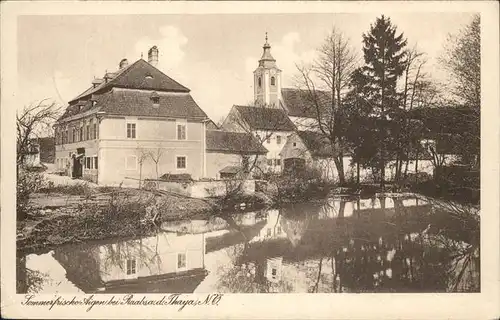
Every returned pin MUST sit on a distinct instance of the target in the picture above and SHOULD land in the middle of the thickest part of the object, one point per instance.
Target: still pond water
(335, 245)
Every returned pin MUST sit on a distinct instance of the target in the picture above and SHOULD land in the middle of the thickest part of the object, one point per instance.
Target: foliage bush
(180, 177)
(298, 186)
(28, 182)
(79, 189)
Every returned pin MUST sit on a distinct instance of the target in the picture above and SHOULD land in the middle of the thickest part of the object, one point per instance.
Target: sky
(214, 55)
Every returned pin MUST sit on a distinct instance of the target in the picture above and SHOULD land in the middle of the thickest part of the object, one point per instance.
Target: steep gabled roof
(180, 282)
(233, 142)
(263, 118)
(139, 75)
(317, 144)
(138, 103)
(299, 103)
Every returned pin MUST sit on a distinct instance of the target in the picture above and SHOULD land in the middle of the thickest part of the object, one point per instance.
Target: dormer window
(155, 99)
(273, 81)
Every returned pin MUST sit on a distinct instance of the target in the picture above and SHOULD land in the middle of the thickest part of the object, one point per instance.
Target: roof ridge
(103, 84)
(189, 90)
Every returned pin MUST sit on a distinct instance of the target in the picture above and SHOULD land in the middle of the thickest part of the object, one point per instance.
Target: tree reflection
(28, 280)
(391, 245)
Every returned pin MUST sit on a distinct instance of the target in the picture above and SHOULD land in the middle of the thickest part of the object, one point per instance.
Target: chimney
(123, 63)
(153, 56)
(97, 82)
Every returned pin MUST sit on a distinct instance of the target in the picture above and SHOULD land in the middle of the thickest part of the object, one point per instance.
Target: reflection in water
(339, 245)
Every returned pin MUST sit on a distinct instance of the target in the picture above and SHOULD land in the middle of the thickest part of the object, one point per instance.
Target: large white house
(137, 123)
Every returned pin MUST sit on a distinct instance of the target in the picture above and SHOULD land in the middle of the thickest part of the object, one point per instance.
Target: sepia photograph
(262, 152)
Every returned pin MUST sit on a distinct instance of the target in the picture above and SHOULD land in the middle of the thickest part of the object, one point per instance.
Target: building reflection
(340, 245)
(166, 262)
(365, 245)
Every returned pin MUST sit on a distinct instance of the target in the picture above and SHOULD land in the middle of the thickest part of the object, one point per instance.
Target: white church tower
(267, 80)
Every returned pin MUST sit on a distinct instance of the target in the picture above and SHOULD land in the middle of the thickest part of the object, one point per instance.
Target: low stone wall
(202, 189)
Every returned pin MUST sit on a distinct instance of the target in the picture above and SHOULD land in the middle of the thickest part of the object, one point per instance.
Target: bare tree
(156, 156)
(142, 156)
(413, 89)
(324, 83)
(462, 59)
(32, 122)
(438, 159)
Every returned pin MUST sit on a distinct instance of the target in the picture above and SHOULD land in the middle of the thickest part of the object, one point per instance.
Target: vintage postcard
(281, 160)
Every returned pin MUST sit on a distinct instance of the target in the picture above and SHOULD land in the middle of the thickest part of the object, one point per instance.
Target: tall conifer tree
(384, 57)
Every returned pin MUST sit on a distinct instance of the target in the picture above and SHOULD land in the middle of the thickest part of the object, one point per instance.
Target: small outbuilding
(233, 153)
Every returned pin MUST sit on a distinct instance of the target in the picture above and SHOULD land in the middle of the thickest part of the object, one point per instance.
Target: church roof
(299, 103)
(263, 118)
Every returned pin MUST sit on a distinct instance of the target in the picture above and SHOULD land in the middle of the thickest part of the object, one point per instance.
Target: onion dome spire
(267, 59)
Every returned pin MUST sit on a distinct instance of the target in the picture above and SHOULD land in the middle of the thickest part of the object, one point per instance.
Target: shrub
(181, 177)
(28, 182)
(79, 189)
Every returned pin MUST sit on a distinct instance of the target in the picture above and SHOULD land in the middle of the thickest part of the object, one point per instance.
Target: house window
(155, 100)
(131, 162)
(131, 130)
(95, 130)
(181, 261)
(279, 230)
(181, 162)
(88, 132)
(268, 140)
(269, 162)
(277, 162)
(95, 163)
(88, 162)
(295, 144)
(278, 139)
(81, 133)
(181, 131)
(131, 266)
(268, 232)
(273, 81)
(259, 80)
(273, 272)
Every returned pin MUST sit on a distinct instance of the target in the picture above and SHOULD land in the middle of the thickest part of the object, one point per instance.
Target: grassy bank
(78, 213)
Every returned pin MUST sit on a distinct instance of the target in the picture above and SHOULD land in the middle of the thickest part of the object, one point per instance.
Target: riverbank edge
(43, 241)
